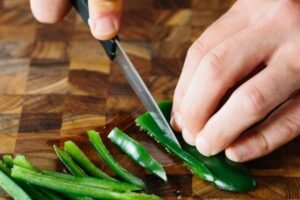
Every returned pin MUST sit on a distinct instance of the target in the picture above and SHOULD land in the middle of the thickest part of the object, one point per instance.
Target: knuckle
(262, 143)
(212, 64)
(253, 101)
(291, 53)
(179, 93)
(289, 126)
(196, 50)
(188, 111)
(272, 20)
(285, 9)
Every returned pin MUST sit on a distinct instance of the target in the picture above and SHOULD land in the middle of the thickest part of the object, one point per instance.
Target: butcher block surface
(56, 83)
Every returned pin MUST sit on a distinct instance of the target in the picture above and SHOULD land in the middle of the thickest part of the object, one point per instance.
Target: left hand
(226, 56)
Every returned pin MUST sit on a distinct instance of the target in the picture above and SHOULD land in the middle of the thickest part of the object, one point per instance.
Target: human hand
(104, 19)
(226, 56)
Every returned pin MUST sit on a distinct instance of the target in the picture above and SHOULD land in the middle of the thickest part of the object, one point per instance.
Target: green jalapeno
(10, 187)
(96, 140)
(68, 162)
(8, 161)
(222, 172)
(91, 181)
(73, 187)
(21, 161)
(137, 152)
(74, 151)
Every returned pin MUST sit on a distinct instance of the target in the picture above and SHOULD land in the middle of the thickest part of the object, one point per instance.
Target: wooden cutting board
(56, 83)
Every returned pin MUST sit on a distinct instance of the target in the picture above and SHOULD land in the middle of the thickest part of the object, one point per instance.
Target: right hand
(104, 21)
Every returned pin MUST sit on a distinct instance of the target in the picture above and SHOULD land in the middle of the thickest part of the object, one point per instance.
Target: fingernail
(176, 122)
(188, 137)
(202, 146)
(104, 27)
(235, 153)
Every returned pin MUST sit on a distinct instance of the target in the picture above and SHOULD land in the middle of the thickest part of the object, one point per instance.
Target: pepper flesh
(68, 162)
(21, 161)
(12, 188)
(96, 140)
(74, 151)
(95, 182)
(137, 152)
(70, 187)
(224, 173)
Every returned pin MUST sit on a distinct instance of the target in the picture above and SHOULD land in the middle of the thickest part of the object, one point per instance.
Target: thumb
(105, 16)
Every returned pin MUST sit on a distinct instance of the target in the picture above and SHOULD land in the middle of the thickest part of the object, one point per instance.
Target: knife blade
(141, 90)
(117, 54)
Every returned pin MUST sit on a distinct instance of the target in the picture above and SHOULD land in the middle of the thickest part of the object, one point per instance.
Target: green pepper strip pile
(95, 182)
(96, 140)
(68, 162)
(74, 151)
(21, 161)
(35, 193)
(224, 173)
(29, 189)
(137, 152)
(71, 187)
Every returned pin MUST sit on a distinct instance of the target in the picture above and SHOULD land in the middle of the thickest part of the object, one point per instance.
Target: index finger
(50, 11)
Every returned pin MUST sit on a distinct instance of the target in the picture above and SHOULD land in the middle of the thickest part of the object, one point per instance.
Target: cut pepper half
(219, 170)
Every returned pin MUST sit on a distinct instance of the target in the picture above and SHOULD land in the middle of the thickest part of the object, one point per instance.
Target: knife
(116, 53)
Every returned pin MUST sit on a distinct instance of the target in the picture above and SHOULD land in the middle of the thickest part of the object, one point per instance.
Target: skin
(105, 15)
(263, 109)
(223, 100)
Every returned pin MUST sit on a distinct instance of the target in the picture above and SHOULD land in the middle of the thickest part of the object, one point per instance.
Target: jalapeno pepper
(91, 181)
(74, 151)
(74, 188)
(21, 161)
(137, 152)
(68, 162)
(222, 172)
(96, 140)
(8, 161)
(12, 188)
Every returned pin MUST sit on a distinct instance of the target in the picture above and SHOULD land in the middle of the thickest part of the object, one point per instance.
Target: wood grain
(56, 82)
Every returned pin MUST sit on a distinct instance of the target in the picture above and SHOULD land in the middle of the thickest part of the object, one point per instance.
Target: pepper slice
(95, 182)
(100, 148)
(13, 189)
(71, 187)
(68, 162)
(8, 161)
(137, 152)
(74, 151)
(224, 174)
(21, 161)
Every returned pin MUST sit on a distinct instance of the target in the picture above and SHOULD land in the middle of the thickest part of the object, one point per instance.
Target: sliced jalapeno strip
(137, 152)
(12, 188)
(224, 173)
(68, 162)
(96, 140)
(50, 194)
(75, 152)
(21, 161)
(91, 181)
(74, 188)
(8, 161)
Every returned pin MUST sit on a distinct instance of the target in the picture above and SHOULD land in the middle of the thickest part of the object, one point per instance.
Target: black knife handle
(82, 8)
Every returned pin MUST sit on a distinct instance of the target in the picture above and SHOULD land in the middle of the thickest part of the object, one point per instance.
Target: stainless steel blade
(141, 90)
